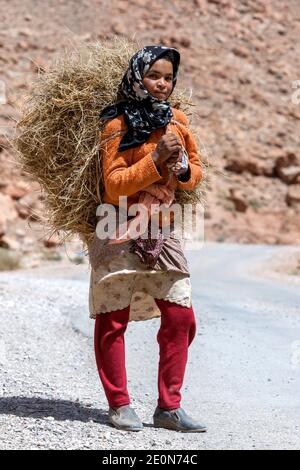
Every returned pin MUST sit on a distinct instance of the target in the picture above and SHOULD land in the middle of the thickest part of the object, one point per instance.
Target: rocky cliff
(241, 60)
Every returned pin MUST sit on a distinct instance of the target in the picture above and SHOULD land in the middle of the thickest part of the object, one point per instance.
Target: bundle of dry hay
(58, 140)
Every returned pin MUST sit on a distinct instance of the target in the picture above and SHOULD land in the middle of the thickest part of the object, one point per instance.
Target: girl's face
(158, 80)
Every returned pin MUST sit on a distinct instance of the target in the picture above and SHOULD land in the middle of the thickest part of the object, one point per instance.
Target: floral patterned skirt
(119, 279)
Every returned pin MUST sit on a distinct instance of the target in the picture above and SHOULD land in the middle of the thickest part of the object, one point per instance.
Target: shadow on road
(60, 410)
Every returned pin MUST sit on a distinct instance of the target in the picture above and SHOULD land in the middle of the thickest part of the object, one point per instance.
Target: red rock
(281, 29)
(185, 42)
(240, 165)
(3, 142)
(240, 51)
(289, 174)
(21, 85)
(220, 72)
(26, 32)
(119, 28)
(4, 58)
(30, 207)
(238, 200)
(39, 65)
(17, 190)
(122, 7)
(249, 90)
(24, 45)
(293, 195)
(202, 5)
(3, 225)
(204, 112)
(52, 242)
(50, 48)
(245, 80)
(284, 159)
(9, 243)
(294, 113)
(8, 211)
(3, 184)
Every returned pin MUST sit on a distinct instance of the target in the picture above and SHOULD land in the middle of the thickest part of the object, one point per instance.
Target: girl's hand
(166, 147)
(178, 163)
(175, 158)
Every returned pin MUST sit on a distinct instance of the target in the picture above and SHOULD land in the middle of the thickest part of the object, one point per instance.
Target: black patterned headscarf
(143, 112)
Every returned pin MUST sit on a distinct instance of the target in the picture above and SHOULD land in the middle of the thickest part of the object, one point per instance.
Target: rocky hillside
(241, 59)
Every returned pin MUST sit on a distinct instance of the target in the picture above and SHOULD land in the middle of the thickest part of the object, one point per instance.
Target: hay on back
(59, 133)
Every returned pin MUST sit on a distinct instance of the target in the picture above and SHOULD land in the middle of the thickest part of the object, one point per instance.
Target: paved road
(243, 375)
(241, 378)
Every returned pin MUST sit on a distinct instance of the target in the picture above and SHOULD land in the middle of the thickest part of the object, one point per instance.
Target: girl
(147, 152)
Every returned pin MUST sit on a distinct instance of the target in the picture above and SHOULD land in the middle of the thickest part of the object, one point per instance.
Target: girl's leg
(110, 355)
(176, 333)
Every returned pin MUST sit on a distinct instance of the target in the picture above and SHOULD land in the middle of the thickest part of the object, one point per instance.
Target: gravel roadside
(50, 394)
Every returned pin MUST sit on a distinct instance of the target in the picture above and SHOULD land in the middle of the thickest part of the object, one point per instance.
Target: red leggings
(177, 331)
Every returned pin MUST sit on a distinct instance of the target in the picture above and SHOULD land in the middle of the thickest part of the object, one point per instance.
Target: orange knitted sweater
(126, 173)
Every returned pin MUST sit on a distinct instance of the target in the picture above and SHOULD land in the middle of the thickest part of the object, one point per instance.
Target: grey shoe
(124, 418)
(177, 420)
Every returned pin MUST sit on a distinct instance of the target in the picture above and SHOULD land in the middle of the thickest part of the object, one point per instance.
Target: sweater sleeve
(193, 176)
(121, 178)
